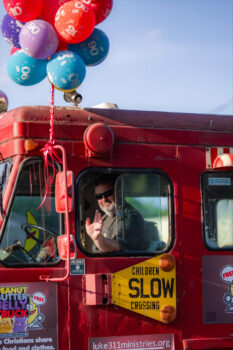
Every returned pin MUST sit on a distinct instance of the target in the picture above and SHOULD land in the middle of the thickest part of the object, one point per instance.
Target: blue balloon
(25, 70)
(11, 28)
(66, 70)
(94, 49)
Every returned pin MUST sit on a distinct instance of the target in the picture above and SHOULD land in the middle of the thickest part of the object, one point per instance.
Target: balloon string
(49, 153)
(51, 109)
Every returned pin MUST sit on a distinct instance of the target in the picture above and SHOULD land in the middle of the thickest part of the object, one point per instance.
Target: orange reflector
(167, 262)
(30, 145)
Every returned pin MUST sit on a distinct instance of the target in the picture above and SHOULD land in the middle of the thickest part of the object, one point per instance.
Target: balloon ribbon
(49, 153)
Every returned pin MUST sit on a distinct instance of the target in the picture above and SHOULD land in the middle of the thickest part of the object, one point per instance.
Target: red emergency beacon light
(124, 239)
(98, 140)
(223, 160)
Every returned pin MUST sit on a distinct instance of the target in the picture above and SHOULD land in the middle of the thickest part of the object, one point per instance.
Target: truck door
(28, 254)
(145, 197)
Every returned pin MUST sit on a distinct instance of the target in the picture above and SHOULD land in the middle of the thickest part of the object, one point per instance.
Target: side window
(224, 219)
(217, 190)
(124, 213)
(30, 233)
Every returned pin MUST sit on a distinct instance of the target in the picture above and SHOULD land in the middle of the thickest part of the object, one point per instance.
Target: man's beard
(110, 211)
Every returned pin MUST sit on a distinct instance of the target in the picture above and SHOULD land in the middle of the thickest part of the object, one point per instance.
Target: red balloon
(101, 8)
(50, 9)
(23, 10)
(62, 46)
(14, 49)
(74, 22)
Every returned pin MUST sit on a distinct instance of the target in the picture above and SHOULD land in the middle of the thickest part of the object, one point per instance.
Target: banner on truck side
(28, 316)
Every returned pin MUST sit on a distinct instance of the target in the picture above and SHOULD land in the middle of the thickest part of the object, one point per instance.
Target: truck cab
(168, 284)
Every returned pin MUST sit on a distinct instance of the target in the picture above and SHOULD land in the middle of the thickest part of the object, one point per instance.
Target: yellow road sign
(148, 288)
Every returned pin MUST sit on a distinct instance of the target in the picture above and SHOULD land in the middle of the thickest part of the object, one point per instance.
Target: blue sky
(165, 55)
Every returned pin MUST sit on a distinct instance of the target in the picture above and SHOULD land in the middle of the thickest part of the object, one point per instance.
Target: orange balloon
(74, 22)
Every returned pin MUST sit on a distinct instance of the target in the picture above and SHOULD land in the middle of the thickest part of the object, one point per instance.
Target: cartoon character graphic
(35, 318)
(226, 275)
(30, 243)
(32, 311)
(20, 324)
(35, 246)
(6, 325)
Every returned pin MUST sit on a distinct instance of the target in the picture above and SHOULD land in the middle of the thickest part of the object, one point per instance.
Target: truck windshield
(31, 229)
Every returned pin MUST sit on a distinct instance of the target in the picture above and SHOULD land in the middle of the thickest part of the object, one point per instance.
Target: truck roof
(147, 119)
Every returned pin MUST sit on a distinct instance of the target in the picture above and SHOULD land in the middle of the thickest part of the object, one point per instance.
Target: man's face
(105, 198)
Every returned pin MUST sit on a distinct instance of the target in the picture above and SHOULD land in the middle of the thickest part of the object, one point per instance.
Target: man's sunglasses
(104, 194)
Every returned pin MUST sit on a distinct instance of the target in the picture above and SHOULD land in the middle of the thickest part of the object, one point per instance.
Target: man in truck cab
(106, 230)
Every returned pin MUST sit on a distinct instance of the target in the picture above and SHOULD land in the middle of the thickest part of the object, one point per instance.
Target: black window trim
(61, 218)
(119, 171)
(214, 173)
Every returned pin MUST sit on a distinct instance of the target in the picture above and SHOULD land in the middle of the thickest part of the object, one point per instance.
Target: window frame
(115, 171)
(23, 162)
(212, 212)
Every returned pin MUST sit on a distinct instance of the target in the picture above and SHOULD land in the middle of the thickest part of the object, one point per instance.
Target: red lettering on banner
(13, 313)
(227, 274)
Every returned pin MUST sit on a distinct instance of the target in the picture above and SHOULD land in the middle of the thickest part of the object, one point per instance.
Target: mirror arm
(67, 223)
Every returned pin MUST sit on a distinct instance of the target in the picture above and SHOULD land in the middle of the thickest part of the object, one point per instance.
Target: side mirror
(63, 247)
(60, 191)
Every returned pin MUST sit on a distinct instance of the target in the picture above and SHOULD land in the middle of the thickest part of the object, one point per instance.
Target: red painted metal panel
(159, 120)
(209, 343)
(97, 289)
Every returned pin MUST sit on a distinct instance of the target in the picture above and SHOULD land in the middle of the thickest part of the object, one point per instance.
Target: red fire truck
(169, 284)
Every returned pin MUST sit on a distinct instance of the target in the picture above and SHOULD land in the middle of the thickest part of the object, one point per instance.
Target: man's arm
(106, 245)
(94, 231)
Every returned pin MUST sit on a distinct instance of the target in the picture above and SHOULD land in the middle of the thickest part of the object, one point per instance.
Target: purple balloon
(10, 30)
(38, 39)
(3, 102)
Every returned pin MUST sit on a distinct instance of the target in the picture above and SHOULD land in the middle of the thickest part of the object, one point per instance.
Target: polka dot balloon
(94, 49)
(23, 10)
(66, 70)
(11, 28)
(74, 22)
(101, 8)
(3, 101)
(25, 70)
(38, 39)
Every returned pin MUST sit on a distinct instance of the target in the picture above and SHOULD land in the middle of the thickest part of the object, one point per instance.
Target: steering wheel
(42, 255)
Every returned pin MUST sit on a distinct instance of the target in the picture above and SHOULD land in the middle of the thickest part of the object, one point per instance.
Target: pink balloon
(23, 10)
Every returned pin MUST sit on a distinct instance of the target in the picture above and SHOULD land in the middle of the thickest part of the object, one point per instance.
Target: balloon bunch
(54, 38)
